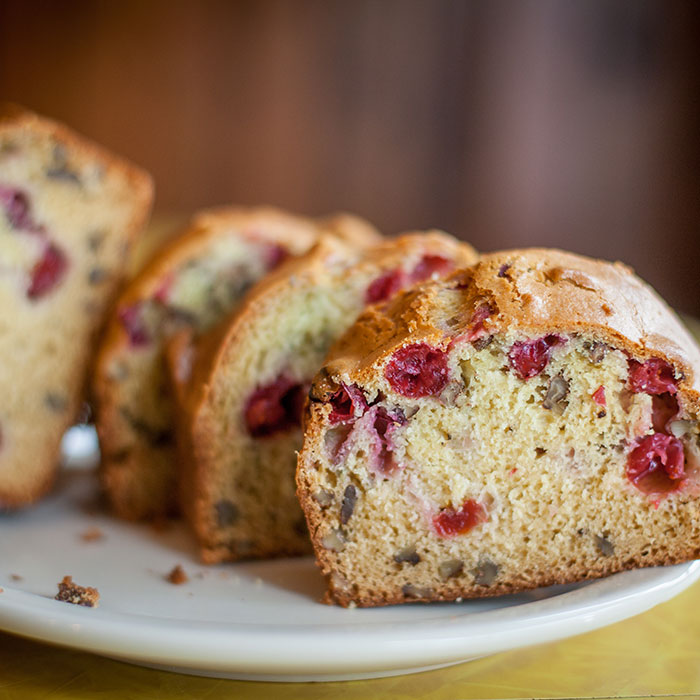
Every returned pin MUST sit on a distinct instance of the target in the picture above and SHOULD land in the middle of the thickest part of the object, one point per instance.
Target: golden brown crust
(334, 596)
(537, 291)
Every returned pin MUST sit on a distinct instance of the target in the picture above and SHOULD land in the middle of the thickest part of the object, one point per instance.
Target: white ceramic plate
(262, 621)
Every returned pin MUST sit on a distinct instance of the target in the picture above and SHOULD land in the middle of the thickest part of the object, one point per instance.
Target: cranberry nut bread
(69, 211)
(530, 421)
(192, 283)
(241, 426)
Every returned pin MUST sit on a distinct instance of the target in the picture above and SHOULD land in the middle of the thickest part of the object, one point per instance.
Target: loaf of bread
(191, 284)
(529, 421)
(249, 380)
(69, 211)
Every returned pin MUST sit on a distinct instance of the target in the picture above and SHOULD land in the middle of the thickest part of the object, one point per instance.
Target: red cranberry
(163, 292)
(47, 273)
(529, 357)
(385, 422)
(274, 408)
(335, 441)
(450, 522)
(476, 324)
(347, 402)
(503, 270)
(385, 286)
(657, 464)
(132, 320)
(274, 254)
(16, 206)
(599, 396)
(655, 376)
(430, 265)
(664, 408)
(417, 370)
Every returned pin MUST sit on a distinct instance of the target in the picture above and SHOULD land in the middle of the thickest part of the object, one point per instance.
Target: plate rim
(309, 651)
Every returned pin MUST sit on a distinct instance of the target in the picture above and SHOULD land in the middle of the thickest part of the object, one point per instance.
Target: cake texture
(193, 283)
(69, 211)
(529, 421)
(242, 388)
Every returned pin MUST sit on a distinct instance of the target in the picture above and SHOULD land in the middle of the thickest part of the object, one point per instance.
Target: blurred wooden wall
(541, 122)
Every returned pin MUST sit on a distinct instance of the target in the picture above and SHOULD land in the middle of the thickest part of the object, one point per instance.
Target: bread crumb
(92, 534)
(69, 592)
(16, 577)
(177, 575)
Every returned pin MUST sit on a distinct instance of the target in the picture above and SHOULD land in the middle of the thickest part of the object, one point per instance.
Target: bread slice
(69, 211)
(191, 284)
(530, 421)
(241, 430)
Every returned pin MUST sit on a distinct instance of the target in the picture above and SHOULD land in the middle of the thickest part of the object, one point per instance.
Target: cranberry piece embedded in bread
(418, 370)
(274, 254)
(346, 403)
(385, 286)
(131, 318)
(529, 357)
(664, 408)
(385, 422)
(48, 272)
(430, 265)
(655, 376)
(599, 396)
(450, 522)
(274, 407)
(657, 464)
(16, 206)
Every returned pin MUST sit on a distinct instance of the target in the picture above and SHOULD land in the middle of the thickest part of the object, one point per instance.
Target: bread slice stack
(243, 397)
(191, 284)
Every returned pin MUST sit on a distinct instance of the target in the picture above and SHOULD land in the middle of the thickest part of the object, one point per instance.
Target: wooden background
(551, 122)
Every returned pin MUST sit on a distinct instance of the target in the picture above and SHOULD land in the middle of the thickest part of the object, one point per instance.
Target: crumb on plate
(177, 575)
(92, 534)
(70, 592)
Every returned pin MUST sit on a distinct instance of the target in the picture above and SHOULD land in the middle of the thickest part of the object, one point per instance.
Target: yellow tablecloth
(654, 654)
